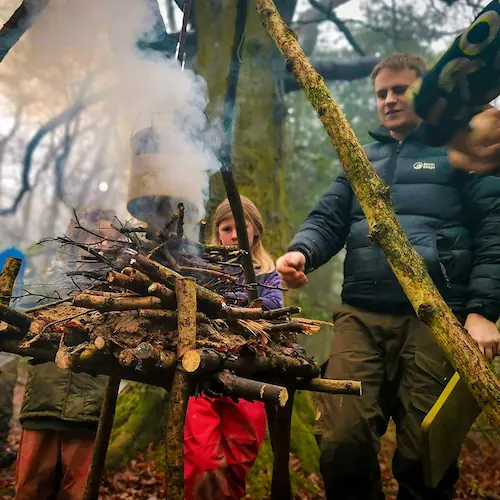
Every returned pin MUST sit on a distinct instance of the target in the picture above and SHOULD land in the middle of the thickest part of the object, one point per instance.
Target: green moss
(139, 421)
(303, 444)
(257, 155)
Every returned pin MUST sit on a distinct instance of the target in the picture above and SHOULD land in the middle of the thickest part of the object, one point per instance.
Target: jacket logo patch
(420, 164)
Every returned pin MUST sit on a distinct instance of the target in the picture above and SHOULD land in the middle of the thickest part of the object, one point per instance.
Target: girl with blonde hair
(222, 437)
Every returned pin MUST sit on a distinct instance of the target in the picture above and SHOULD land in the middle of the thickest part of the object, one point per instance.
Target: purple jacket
(272, 297)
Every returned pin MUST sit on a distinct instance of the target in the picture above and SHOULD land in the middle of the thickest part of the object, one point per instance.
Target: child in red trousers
(222, 437)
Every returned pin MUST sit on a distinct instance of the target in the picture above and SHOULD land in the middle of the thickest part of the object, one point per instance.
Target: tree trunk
(259, 115)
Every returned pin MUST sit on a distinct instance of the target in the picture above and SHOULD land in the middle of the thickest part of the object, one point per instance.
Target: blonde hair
(400, 62)
(262, 261)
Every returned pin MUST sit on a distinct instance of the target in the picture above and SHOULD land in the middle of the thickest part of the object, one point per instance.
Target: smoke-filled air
(118, 121)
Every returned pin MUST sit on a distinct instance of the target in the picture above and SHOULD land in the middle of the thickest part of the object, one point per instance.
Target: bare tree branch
(331, 16)
(19, 23)
(338, 70)
(67, 115)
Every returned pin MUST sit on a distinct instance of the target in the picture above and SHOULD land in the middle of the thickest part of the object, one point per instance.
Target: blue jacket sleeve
(481, 200)
(324, 232)
(271, 296)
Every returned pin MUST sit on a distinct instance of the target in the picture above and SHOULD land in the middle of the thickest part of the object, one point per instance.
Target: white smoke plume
(86, 51)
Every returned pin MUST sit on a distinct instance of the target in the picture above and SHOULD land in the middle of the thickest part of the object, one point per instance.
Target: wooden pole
(181, 390)
(279, 420)
(251, 390)
(226, 150)
(8, 278)
(14, 318)
(329, 386)
(198, 361)
(373, 195)
(102, 439)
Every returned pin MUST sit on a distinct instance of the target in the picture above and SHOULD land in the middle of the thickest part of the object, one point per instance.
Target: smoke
(86, 51)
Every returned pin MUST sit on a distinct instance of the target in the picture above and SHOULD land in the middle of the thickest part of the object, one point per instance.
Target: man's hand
(478, 149)
(291, 267)
(485, 333)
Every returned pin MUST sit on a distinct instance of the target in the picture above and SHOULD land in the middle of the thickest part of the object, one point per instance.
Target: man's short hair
(400, 62)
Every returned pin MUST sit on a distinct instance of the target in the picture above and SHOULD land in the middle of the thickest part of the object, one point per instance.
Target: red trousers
(53, 465)
(221, 437)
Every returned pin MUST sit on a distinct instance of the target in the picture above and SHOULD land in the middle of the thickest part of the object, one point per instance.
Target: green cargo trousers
(403, 371)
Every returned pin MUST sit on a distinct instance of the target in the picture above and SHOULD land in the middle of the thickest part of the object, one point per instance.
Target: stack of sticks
(156, 312)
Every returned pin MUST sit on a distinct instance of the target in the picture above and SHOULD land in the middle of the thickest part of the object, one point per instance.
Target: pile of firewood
(125, 323)
(162, 309)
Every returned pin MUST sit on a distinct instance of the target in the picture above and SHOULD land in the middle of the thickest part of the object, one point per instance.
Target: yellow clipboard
(445, 428)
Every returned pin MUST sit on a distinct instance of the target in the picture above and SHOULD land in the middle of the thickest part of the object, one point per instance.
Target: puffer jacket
(451, 218)
(52, 393)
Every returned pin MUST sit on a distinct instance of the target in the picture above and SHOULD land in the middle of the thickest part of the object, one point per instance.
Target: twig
(64, 320)
(210, 272)
(116, 304)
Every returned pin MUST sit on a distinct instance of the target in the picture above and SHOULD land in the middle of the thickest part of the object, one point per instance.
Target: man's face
(394, 111)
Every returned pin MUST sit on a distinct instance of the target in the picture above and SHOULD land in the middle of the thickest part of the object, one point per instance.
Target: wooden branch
(101, 343)
(140, 279)
(101, 293)
(201, 361)
(460, 348)
(167, 315)
(128, 282)
(116, 304)
(6, 329)
(210, 272)
(148, 354)
(14, 318)
(329, 386)
(162, 292)
(251, 390)
(63, 359)
(279, 422)
(93, 361)
(8, 278)
(102, 439)
(220, 248)
(168, 278)
(230, 312)
(181, 390)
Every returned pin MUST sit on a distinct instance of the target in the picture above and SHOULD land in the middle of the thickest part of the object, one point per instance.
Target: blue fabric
(17, 254)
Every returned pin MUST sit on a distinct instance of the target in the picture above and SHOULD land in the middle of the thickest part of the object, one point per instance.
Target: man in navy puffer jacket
(452, 220)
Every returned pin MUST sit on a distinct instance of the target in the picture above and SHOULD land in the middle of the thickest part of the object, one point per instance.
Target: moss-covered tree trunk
(259, 117)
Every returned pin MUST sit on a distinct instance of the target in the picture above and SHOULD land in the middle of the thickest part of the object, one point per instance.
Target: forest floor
(142, 479)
